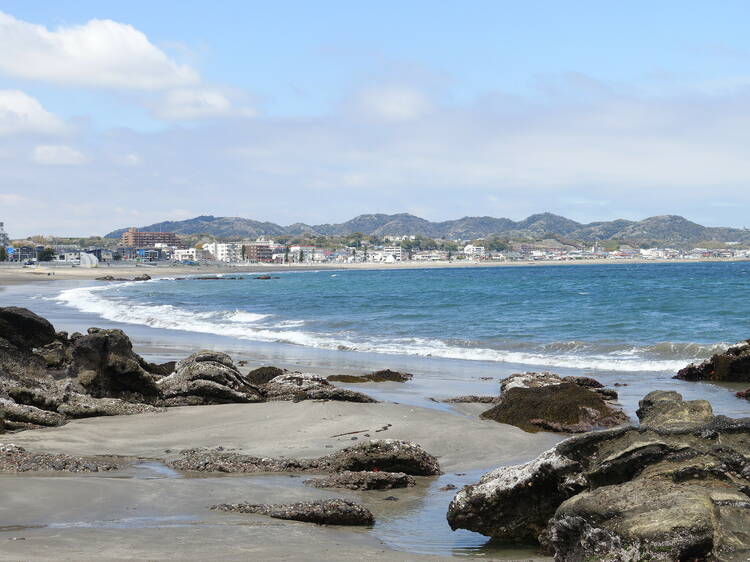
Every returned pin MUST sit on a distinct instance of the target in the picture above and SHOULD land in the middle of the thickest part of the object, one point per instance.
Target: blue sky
(132, 112)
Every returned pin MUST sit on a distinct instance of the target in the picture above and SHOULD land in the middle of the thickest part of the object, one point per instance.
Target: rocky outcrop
(675, 488)
(300, 386)
(17, 459)
(733, 365)
(388, 455)
(107, 367)
(206, 377)
(385, 375)
(564, 407)
(264, 375)
(23, 329)
(322, 512)
(744, 394)
(363, 480)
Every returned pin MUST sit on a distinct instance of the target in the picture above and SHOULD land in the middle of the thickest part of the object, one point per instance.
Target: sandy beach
(13, 274)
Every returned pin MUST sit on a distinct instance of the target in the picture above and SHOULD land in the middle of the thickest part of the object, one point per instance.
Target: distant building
(259, 252)
(4, 238)
(475, 252)
(189, 254)
(394, 251)
(227, 252)
(139, 239)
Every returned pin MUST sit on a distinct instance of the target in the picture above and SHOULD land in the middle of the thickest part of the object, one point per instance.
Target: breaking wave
(665, 356)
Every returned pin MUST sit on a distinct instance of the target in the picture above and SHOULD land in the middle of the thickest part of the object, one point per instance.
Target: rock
(385, 375)
(386, 455)
(144, 277)
(206, 377)
(471, 399)
(322, 512)
(17, 459)
(390, 455)
(538, 380)
(562, 407)
(673, 489)
(56, 354)
(23, 329)
(263, 375)
(107, 367)
(363, 480)
(732, 366)
(82, 406)
(299, 386)
(588, 382)
(666, 409)
(22, 416)
(744, 394)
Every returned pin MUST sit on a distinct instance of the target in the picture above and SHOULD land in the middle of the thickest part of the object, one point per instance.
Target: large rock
(386, 375)
(299, 386)
(17, 459)
(263, 375)
(24, 329)
(107, 367)
(323, 512)
(207, 377)
(733, 365)
(675, 488)
(564, 407)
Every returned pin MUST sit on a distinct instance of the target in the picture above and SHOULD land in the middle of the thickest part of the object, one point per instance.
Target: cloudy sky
(127, 113)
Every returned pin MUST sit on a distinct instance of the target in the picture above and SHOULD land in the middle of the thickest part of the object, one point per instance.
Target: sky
(116, 114)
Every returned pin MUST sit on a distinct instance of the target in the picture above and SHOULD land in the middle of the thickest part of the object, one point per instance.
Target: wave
(665, 356)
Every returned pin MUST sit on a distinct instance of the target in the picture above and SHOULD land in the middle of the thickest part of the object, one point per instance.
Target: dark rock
(22, 416)
(562, 407)
(385, 375)
(23, 329)
(744, 394)
(588, 382)
(82, 406)
(107, 367)
(447, 488)
(733, 365)
(363, 480)
(389, 455)
(664, 491)
(55, 354)
(18, 459)
(144, 277)
(263, 375)
(207, 377)
(391, 499)
(299, 386)
(322, 512)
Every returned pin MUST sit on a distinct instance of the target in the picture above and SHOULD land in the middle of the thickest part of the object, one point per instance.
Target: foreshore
(13, 274)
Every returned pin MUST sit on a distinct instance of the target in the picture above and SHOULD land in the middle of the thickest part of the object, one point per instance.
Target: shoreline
(18, 274)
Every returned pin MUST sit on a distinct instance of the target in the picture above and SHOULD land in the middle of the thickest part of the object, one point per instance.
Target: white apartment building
(226, 252)
(394, 251)
(191, 254)
(474, 252)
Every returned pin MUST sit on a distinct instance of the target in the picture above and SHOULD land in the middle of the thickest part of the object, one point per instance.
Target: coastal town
(168, 247)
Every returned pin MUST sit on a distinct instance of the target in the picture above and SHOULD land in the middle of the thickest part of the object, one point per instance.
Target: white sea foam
(248, 326)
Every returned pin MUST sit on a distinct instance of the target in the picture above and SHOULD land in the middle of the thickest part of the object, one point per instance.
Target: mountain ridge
(672, 229)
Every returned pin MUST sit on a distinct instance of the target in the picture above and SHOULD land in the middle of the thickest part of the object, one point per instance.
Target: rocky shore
(675, 486)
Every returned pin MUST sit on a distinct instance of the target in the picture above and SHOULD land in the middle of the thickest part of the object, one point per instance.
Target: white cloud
(395, 103)
(12, 200)
(57, 155)
(101, 53)
(189, 104)
(20, 113)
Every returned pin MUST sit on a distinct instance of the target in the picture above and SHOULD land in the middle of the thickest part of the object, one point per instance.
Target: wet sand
(149, 511)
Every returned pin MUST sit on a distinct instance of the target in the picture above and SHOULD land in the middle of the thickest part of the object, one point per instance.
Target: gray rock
(263, 375)
(323, 512)
(23, 416)
(106, 366)
(298, 386)
(17, 459)
(673, 489)
(385, 375)
(363, 480)
(206, 377)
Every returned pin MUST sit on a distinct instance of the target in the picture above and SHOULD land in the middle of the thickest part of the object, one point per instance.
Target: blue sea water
(628, 318)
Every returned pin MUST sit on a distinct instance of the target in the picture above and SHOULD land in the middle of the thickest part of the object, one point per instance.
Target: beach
(148, 510)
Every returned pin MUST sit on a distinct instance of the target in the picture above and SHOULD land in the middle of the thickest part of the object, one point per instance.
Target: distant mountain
(669, 229)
